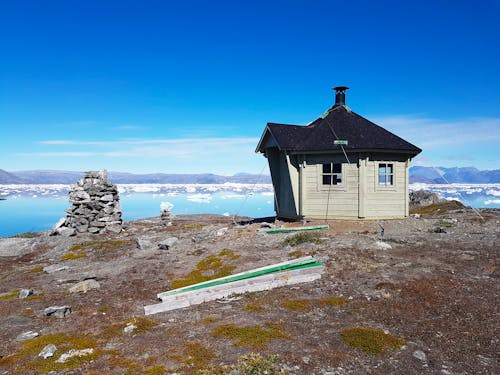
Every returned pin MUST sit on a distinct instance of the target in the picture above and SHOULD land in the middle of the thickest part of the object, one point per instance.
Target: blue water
(32, 208)
(20, 213)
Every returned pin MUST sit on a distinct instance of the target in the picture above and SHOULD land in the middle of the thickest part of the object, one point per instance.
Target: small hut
(341, 165)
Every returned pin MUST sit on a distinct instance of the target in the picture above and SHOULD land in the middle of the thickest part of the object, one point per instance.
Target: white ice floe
(492, 201)
(199, 198)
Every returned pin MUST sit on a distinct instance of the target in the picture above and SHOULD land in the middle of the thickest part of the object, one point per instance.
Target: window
(386, 174)
(332, 174)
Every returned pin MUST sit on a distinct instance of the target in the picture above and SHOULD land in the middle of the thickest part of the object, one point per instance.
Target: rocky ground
(422, 299)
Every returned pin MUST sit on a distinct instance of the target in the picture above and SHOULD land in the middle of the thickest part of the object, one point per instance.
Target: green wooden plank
(297, 229)
(300, 263)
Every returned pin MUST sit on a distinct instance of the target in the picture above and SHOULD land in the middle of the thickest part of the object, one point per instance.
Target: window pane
(389, 179)
(389, 168)
(327, 168)
(381, 179)
(381, 169)
(337, 168)
(327, 180)
(337, 179)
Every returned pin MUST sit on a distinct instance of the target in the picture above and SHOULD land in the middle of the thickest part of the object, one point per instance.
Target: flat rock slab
(27, 336)
(84, 286)
(13, 247)
(57, 311)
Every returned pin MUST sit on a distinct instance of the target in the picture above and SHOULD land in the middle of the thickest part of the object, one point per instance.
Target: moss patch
(253, 307)
(372, 341)
(250, 336)
(302, 237)
(309, 304)
(71, 256)
(103, 246)
(194, 357)
(143, 325)
(27, 360)
(9, 295)
(209, 268)
(438, 208)
(35, 269)
(26, 235)
(249, 364)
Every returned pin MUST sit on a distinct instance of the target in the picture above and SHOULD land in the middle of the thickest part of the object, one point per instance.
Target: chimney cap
(340, 88)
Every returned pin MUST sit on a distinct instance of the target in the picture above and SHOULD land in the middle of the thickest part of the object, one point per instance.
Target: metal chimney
(340, 95)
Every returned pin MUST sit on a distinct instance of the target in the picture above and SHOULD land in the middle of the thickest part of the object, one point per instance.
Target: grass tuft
(72, 256)
(249, 364)
(302, 237)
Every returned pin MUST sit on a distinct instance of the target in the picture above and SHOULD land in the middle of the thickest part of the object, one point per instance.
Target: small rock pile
(95, 207)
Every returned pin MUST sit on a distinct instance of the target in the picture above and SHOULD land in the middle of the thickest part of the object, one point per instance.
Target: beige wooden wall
(352, 200)
(320, 201)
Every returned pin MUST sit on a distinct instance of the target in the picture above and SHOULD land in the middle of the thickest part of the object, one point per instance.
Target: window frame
(321, 174)
(387, 176)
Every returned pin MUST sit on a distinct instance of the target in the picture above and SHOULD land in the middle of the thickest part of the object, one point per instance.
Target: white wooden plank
(264, 282)
(288, 262)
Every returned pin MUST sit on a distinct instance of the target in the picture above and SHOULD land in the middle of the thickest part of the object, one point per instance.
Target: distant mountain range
(429, 175)
(70, 177)
(441, 175)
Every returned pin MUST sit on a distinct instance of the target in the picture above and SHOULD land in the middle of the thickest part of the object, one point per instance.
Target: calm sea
(31, 208)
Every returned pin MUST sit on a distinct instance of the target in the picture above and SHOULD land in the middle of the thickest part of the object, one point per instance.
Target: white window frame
(385, 186)
(326, 187)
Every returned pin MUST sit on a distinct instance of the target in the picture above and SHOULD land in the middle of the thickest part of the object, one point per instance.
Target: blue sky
(188, 86)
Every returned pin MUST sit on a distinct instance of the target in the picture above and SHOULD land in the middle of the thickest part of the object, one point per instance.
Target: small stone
(74, 353)
(380, 245)
(107, 198)
(129, 328)
(59, 223)
(57, 311)
(27, 336)
(48, 351)
(66, 232)
(221, 232)
(23, 293)
(54, 268)
(420, 355)
(114, 228)
(167, 243)
(84, 286)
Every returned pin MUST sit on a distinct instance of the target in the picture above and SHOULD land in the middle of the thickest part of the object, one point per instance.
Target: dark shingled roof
(340, 123)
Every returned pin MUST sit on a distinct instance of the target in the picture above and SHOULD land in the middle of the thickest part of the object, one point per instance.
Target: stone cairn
(95, 207)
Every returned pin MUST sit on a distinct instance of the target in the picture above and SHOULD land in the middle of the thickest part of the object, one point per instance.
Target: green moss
(143, 325)
(27, 360)
(309, 304)
(35, 269)
(438, 208)
(372, 341)
(252, 336)
(253, 307)
(155, 370)
(194, 357)
(71, 256)
(209, 268)
(296, 254)
(103, 246)
(302, 237)
(9, 295)
(26, 235)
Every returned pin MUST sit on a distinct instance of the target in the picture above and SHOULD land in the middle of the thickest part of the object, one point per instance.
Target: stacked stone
(166, 217)
(95, 205)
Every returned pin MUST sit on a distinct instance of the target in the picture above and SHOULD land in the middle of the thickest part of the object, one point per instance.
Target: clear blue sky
(188, 86)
